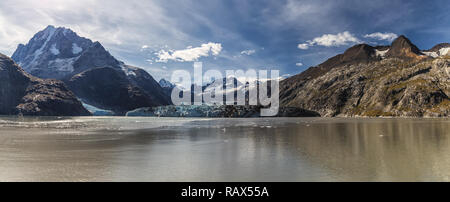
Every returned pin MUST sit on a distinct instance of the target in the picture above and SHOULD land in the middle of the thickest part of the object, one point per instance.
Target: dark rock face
(356, 54)
(23, 93)
(95, 56)
(59, 53)
(402, 83)
(145, 81)
(109, 88)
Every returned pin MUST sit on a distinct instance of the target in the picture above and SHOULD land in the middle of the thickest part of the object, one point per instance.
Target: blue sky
(289, 35)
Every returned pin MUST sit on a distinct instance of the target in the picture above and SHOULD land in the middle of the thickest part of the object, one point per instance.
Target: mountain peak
(49, 28)
(51, 52)
(358, 52)
(402, 47)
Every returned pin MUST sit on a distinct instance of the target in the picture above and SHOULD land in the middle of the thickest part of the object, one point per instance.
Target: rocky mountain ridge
(396, 80)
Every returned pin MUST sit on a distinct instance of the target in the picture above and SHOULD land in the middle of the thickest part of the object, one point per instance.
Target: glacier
(97, 111)
(216, 111)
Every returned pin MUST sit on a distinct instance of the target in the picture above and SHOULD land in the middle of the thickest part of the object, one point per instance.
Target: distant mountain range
(91, 72)
(395, 80)
(58, 73)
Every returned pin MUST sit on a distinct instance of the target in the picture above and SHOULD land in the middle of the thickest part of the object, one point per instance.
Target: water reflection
(303, 149)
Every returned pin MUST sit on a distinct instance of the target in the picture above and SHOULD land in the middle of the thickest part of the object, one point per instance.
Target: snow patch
(76, 49)
(379, 53)
(54, 50)
(441, 52)
(62, 65)
(128, 71)
(49, 34)
(431, 54)
(444, 51)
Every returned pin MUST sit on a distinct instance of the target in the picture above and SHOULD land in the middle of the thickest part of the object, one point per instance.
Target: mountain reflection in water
(182, 149)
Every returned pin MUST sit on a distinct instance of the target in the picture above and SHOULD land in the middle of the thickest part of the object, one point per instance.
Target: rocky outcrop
(21, 93)
(402, 83)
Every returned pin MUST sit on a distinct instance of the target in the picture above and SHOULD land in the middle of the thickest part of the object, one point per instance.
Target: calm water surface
(181, 149)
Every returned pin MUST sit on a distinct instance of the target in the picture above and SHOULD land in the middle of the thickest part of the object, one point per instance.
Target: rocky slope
(59, 53)
(399, 80)
(109, 88)
(28, 95)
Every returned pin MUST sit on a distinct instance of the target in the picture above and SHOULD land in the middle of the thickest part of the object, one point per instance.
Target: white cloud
(303, 46)
(248, 52)
(328, 40)
(298, 64)
(382, 36)
(190, 54)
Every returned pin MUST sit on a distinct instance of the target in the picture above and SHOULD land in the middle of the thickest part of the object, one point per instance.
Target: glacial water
(196, 149)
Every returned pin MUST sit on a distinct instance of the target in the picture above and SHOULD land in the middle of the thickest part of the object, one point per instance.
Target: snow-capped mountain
(52, 52)
(59, 53)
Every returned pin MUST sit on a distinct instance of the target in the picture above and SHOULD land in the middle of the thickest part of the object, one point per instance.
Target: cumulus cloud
(298, 64)
(329, 40)
(248, 52)
(190, 54)
(382, 36)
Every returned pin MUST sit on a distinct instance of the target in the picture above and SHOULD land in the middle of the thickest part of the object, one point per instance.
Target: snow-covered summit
(51, 53)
